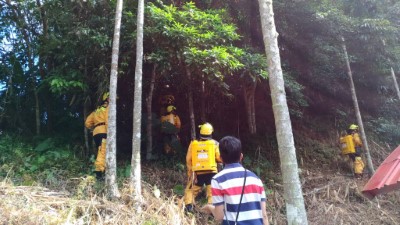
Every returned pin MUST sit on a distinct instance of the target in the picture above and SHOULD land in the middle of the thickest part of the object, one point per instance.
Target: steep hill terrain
(331, 194)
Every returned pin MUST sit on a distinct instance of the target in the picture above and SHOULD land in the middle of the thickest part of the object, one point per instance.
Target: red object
(386, 178)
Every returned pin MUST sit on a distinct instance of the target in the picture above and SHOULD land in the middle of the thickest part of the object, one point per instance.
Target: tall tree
(254, 69)
(396, 85)
(149, 124)
(357, 109)
(111, 158)
(295, 209)
(136, 183)
(200, 43)
(341, 25)
(21, 15)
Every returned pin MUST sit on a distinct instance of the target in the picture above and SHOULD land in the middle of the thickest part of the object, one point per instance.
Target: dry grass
(331, 197)
(85, 203)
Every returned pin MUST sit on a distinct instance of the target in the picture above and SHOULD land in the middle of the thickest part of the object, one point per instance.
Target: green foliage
(60, 85)
(387, 130)
(47, 162)
(295, 95)
(203, 40)
(179, 189)
(124, 171)
(180, 167)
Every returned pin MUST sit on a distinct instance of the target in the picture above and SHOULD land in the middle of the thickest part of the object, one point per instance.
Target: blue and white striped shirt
(227, 188)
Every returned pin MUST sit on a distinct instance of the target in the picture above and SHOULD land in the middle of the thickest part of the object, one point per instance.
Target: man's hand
(216, 211)
(208, 209)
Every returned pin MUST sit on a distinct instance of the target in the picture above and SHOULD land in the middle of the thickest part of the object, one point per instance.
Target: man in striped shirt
(238, 195)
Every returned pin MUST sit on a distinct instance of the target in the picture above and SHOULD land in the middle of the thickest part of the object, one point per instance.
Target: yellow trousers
(100, 163)
(192, 190)
(358, 165)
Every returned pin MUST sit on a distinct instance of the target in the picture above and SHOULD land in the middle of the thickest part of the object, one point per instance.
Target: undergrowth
(46, 163)
(47, 183)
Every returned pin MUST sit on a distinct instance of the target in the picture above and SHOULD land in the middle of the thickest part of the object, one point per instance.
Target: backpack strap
(240, 202)
(241, 196)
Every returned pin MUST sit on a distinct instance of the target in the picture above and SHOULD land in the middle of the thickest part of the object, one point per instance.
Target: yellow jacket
(98, 120)
(174, 119)
(357, 141)
(189, 158)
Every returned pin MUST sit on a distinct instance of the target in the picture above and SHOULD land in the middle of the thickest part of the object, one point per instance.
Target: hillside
(57, 65)
(331, 194)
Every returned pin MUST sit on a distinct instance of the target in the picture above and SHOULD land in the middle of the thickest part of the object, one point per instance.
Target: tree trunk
(136, 182)
(149, 124)
(85, 115)
(203, 100)
(111, 156)
(24, 28)
(249, 93)
(357, 110)
(85, 130)
(37, 108)
(396, 85)
(191, 108)
(295, 209)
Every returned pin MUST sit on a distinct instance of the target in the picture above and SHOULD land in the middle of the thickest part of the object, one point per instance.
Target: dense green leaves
(64, 53)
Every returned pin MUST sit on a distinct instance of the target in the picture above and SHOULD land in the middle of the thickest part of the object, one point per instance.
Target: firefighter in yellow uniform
(351, 145)
(170, 126)
(201, 161)
(171, 117)
(165, 101)
(98, 121)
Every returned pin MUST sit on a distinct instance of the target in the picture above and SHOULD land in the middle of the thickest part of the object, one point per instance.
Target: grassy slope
(332, 196)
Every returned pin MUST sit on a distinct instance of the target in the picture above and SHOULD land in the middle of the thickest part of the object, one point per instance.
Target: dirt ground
(331, 197)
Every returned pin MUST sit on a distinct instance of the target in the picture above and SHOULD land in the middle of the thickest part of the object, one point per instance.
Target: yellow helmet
(105, 95)
(206, 129)
(171, 108)
(353, 127)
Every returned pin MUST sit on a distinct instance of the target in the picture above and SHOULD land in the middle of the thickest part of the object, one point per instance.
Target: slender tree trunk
(357, 110)
(85, 130)
(111, 156)
(203, 100)
(149, 124)
(249, 93)
(396, 85)
(253, 110)
(295, 209)
(191, 108)
(85, 115)
(24, 28)
(136, 182)
(45, 36)
(37, 110)
(41, 64)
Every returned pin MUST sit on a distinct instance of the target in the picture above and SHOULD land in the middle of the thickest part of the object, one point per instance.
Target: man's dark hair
(230, 149)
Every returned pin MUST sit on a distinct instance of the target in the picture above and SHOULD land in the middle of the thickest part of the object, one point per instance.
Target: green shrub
(45, 162)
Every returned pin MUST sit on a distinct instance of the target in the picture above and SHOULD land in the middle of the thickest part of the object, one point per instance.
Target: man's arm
(357, 140)
(264, 213)
(217, 211)
(89, 123)
(177, 122)
(217, 154)
(189, 160)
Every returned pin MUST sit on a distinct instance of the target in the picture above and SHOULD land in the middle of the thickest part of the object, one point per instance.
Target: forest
(285, 77)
